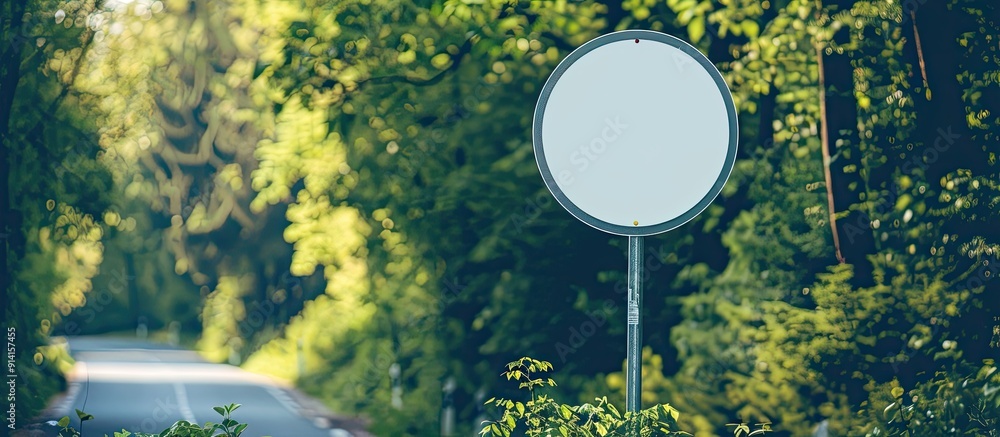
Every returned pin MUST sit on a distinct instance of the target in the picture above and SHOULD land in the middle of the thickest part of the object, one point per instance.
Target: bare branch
(825, 139)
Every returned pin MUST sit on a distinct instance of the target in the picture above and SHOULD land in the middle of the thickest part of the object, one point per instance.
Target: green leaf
(601, 429)
(614, 411)
(897, 392)
(83, 416)
(220, 410)
(750, 28)
(565, 412)
(696, 29)
(64, 422)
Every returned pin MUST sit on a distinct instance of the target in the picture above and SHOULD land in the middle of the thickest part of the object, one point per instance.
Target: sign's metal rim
(549, 179)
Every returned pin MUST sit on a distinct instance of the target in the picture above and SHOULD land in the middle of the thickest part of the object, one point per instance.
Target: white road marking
(182, 403)
(66, 406)
(283, 399)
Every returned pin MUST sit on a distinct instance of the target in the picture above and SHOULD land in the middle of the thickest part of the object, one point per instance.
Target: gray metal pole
(633, 362)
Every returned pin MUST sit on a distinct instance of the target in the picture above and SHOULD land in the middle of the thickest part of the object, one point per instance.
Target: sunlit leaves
(323, 234)
(301, 148)
(221, 314)
(376, 159)
(542, 415)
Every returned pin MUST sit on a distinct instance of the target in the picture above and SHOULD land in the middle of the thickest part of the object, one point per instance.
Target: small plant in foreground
(743, 429)
(229, 427)
(543, 416)
(67, 431)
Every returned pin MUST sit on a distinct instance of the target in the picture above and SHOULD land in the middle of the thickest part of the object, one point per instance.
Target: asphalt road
(142, 386)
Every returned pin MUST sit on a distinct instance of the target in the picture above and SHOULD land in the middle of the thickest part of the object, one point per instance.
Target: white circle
(635, 132)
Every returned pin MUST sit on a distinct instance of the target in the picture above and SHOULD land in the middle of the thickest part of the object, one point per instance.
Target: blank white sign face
(635, 132)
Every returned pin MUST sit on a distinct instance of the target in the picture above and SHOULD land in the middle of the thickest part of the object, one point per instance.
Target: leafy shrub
(952, 403)
(544, 416)
(229, 427)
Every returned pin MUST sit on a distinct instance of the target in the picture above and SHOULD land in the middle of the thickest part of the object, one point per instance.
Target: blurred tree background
(350, 185)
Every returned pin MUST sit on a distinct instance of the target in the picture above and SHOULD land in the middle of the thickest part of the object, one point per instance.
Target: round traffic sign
(635, 132)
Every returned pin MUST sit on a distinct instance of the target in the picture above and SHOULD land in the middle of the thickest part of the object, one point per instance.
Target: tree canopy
(350, 185)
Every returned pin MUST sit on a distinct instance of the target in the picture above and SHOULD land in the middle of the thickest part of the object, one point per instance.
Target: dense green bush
(543, 416)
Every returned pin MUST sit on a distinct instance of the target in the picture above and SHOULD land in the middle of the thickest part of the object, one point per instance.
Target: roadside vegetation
(343, 195)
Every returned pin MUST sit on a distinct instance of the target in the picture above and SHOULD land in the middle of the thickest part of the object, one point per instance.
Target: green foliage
(543, 416)
(54, 190)
(769, 336)
(350, 186)
(950, 404)
(229, 427)
(66, 430)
